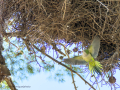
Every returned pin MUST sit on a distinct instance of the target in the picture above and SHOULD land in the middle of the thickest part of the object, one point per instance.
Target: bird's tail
(95, 66)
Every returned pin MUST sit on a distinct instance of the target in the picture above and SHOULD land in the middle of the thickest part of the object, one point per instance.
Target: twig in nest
(64, 5)
(111, 58)
(65, 67)
(103, 5)
(27, 44)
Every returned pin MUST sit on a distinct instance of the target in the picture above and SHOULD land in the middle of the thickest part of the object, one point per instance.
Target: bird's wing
(77, 60)
(95, 45)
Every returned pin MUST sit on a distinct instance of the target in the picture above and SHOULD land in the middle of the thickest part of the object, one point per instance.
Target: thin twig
(96, 81)
(103, 5)
(64, 66)
(64, 5)
(73, 81)
(54, 47)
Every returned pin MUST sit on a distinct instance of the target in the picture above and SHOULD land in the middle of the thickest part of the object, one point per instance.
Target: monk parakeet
(88, 57)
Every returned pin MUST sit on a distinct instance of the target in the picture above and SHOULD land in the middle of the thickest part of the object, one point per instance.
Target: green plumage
(95, 66)
(97, 70)
(87, 51)
(88, 57)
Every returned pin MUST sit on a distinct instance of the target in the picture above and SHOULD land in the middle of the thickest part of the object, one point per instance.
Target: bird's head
(85, 52)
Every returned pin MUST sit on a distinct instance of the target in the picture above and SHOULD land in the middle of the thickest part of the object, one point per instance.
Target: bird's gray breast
(84, 54)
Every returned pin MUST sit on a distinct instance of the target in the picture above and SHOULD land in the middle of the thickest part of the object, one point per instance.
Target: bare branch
(64, 66)
(10, 83)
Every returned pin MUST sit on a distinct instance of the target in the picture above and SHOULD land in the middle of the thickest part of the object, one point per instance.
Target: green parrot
(88, 57)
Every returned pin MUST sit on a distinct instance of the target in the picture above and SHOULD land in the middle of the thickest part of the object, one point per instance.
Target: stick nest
(71, 21)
